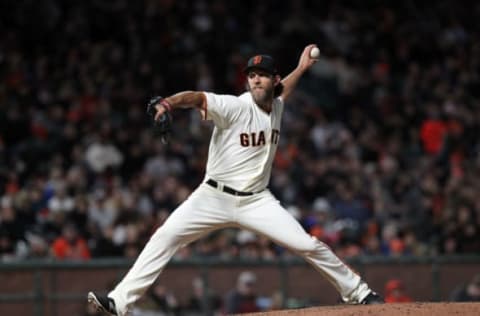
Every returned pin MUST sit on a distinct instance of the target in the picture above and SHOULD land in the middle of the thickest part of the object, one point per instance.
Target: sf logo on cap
(257, 60)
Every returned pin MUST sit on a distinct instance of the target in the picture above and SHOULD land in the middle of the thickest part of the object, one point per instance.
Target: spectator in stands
(7, 246)
(159, 300)
(395, 292)
(70, 245)
(469, 292)
(243, 298)
(102, 154)
(202, 300)
(384, 126)
(38, 247)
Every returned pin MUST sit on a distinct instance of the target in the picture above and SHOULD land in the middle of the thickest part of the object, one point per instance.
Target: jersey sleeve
(223, 110)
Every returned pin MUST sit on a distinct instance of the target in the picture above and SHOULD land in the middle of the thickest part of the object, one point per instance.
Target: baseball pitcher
(234, 192)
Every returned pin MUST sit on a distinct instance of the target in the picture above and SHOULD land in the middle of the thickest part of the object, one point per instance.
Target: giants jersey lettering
(244, 140)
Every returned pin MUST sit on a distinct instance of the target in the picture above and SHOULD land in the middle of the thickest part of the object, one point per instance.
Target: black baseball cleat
(372, 298)
(102, 303)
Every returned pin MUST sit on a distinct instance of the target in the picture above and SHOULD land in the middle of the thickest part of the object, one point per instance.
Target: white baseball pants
(208, 209)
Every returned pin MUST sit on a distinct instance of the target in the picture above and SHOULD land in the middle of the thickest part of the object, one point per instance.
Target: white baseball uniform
(242, 149)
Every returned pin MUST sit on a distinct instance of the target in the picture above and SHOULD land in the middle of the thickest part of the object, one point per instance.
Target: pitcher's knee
(307, 245)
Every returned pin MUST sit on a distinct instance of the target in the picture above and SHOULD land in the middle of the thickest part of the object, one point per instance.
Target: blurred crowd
(379, 150)
(243, 297)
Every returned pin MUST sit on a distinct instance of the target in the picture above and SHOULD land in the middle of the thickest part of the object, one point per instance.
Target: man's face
(247, 288)
(261, 85)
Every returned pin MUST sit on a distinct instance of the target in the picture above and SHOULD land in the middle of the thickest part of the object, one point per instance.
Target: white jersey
(244, 141)
(242, 149)
(241, 153)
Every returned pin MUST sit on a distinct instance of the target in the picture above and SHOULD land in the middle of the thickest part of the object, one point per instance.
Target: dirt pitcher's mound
(413, 309)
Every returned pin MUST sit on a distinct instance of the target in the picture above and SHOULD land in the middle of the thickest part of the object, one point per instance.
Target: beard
(262, 96)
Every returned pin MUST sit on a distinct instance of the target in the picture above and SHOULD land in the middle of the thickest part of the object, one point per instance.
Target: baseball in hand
(314, 53)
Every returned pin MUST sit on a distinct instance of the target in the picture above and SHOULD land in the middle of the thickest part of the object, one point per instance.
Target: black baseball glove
(163, 127)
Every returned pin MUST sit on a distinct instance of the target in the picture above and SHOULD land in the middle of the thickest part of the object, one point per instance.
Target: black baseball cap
(263, 62)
